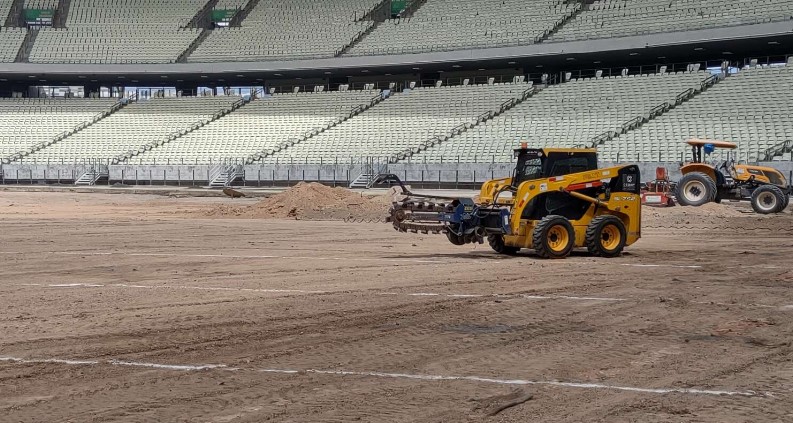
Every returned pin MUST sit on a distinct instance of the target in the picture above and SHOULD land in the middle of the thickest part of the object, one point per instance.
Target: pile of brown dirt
(311, 201)
(680, 216)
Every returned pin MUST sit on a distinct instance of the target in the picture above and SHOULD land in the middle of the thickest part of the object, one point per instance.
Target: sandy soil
(129, 308)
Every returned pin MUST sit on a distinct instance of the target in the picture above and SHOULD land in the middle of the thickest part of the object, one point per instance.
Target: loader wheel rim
(558, 238)
(694, 190)
(767, 201)
(610, 237)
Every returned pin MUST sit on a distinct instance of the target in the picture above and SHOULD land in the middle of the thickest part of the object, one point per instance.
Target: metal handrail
(661, 108)
(684, 95)
(776, 150)
(709, 82)
(631, 124)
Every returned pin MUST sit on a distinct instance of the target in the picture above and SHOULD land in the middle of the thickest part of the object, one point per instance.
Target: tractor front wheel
(497, 244)
(767, 199)
(696, 189)
(553, 237)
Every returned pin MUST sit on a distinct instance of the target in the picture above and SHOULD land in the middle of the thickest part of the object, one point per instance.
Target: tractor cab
(722, 175)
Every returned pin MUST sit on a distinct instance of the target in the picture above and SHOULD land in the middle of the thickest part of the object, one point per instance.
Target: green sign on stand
(398, 6)
(219, 15)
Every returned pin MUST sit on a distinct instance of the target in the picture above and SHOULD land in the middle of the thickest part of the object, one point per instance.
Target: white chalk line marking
(676, 266)
(233, 256)
(48, 360)
(300, 291)
(783, 307)
(420, 377)
(175, 287)
(353, 258)
(184, 367)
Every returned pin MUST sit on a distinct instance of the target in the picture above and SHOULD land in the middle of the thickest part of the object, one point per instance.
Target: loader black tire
(606, 236)
(695, 189)
(455, 239)
(767, 199)
(497, 244)
(553, 237)
(785, 203)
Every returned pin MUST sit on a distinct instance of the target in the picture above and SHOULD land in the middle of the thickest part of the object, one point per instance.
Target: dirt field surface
(132, 308)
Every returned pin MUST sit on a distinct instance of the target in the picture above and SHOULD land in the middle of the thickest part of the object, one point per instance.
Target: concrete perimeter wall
(447, 175)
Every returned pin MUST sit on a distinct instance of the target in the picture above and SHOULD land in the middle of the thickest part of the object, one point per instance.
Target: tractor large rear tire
(696, 189)
(785, 203)
(767, 199)
(497, 244)
(606, 236)
(553, 237)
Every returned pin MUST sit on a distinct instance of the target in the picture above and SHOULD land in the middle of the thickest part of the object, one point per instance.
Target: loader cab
(535, 163)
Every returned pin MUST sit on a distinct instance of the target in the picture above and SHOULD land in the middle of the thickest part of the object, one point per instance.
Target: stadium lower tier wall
(418, 175)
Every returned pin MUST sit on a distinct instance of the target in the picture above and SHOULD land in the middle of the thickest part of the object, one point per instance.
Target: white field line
(371, 259)
(300, 291)
(175, 287)
(783, 307)
(231, 256)
(386, 375)
(675, 266)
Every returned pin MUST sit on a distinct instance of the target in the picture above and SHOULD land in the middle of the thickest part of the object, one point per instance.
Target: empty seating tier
(259, 125)
(5, 8)
(119, 31)
(564, 115)
(400, 122)
(41, 4)
(618, 18)
(10, 41)
(27, 122)
(132, 127)
(753, 109)
(230, 4)
(279, 30)
(453, 24)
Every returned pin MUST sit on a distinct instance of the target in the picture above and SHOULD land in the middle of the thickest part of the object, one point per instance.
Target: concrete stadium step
(242, 14)
(202, 18)
(223, 176)
(93, 176)
(363, 181)
(193, 46)
(61, 14)
(15, 16)
(23, 55)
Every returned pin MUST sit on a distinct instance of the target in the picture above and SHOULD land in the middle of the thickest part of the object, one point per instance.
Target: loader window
(569, 165)
(558, 164)
(528, 170)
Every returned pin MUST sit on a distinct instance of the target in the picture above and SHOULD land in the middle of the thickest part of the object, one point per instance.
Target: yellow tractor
(702, 183)
(556, 200)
